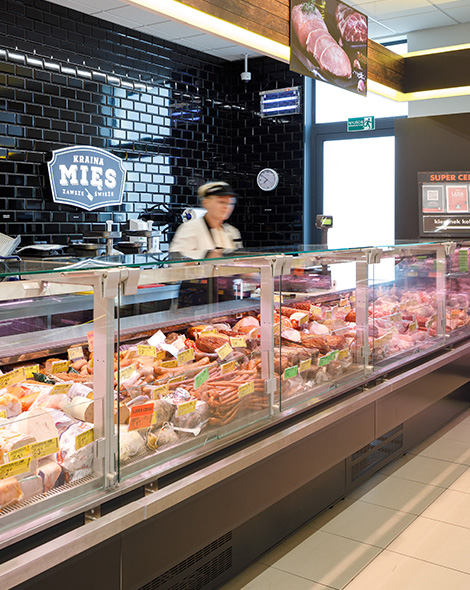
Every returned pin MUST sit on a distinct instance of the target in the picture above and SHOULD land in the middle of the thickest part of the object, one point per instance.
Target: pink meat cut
(351, 24)
(329, 54)
(306, 18)
(313, 35)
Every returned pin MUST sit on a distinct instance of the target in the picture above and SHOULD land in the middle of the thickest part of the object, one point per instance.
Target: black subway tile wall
(177, 117)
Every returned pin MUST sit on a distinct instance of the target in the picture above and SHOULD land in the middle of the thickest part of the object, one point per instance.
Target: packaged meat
(10, 491)
(38, 423)
(192, 422)
(130, 443)
(49, 472)
(61, 420)
(81, 408)
(164, 436)
(11, 440)
(10, 404)
(77, 463)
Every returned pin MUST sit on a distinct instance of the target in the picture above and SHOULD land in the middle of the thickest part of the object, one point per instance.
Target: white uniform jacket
(197, 235)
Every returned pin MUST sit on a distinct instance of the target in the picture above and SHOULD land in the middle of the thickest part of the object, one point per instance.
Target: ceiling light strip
(215, 26)
(437, 50)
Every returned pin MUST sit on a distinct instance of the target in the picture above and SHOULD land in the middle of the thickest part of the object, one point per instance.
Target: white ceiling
(387, 19)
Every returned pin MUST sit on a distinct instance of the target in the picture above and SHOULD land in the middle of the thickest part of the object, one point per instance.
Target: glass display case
(117, 374)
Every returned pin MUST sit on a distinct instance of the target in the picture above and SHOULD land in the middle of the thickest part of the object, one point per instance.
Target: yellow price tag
(186, 408)
(161, 354)
(343, 302)
(15, 468)
(342, 354)
(177, 379)
(223, 351)
(75, 353)
(328, 314)
(237, 342)
(28, 371)
(169, 364)
(246, 389)
(227, 367)
(61, 389)
(304, 319)
(20, 453)
(454, 314)
(186, 356)
(144, 350)
(160, 391)
(316, 310)
(11, 378)
(127, 372)
(208, 332)
(305, 365)
(413, 327)
(84, 439)
(59, 367)
(44, 448)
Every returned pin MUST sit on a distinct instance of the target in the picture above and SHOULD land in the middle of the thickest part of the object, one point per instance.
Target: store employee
(210, 232)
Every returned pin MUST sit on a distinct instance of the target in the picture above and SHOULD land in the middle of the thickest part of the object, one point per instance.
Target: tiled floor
(407, 528)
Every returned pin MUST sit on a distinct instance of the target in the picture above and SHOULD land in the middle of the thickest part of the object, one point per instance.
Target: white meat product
(130, 443)
(318, 329)
(10, 404)
(40, 424)
(32, 486)
(76, 463)
(49, 472)
(10, 441)
(81, 408)
(61, 420)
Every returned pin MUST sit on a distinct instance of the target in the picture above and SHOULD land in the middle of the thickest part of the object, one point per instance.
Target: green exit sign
(361, 124)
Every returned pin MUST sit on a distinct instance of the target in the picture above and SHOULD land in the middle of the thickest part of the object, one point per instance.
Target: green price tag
(201, 378)
(291, 372)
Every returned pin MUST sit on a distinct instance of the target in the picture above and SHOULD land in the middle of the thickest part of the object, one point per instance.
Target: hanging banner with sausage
(86, 177)
(329, 43)
(444, 199)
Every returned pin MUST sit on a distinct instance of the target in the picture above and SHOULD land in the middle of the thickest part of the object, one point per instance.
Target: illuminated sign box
(277, 103)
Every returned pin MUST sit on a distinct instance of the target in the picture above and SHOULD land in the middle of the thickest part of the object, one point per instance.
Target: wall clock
(267, 179)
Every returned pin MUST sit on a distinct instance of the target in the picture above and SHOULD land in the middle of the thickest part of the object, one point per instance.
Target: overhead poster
(444, 202)
(329, 43)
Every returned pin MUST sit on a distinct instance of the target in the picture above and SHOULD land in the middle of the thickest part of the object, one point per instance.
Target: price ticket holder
(324, 223)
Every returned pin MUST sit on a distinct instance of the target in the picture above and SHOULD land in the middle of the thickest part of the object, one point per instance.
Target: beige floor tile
(398, 494)
(459, 431)
(262, 577)
(445, 449)
(324, 558)
(425, 470)
(363, 522)
(390, 571)
(451, 507)
(462, 484)
(436, 542)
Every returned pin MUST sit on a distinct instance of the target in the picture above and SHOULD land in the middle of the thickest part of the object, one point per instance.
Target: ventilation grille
(376, 452)
(179, 578)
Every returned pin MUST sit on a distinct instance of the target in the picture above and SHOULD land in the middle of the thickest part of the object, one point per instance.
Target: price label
(59, 367)
(208, 332)
(75, 353)
(20, 453)
(169, 364)
(328, 313)
(342, 354)
(15, 468)
(454, 314)
(227, 367)
(352, 298)
(127, 372)
(430, 322)
(291, 372)
(84, 439)
(161, 354)
(463, 260)
(277, 328)
(186, 408)
(90, 336)
(298, 271)
(344, 302)
(3, 414)
(396, 317)
(201, 378)
(347, 309)
(413, 327)
(141, 416)
(61, 389)
(160, 391)
(144, 350)
(11, 378)
(316, 310)
(185, 357)
(304, 319)
(305, 365)
(223, 351)
(237, 342)
(28, 371)
(327, 358)
(44, 448)
(177, 379)
(246, 389)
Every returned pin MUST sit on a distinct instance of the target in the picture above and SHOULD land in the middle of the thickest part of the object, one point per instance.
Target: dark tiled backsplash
(177, 117)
